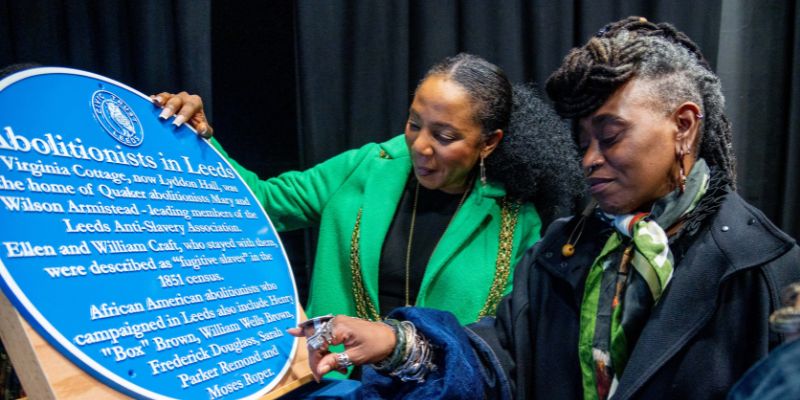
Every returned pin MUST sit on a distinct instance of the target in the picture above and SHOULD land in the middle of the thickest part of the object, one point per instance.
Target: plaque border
(53, 337)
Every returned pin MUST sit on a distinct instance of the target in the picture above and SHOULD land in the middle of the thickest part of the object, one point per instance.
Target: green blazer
(352, 197)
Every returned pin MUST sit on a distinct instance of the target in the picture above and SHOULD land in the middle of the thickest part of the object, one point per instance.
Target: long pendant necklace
(411, 234)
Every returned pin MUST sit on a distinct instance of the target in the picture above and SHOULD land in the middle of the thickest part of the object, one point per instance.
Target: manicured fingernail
(205, 133)
(165, 113)
(156, 99)
(179, 120)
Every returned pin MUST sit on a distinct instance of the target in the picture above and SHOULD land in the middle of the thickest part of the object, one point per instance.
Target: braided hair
(660, 54)
(537, 159)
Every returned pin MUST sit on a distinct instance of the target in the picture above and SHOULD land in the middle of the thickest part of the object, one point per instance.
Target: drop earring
(682, 172)
(483, 172)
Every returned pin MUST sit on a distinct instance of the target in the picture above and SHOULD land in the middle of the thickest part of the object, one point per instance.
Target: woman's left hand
(186, 108)
(364, 341)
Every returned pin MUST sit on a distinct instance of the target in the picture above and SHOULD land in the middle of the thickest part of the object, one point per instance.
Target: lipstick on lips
(422, 171)
(597, 185)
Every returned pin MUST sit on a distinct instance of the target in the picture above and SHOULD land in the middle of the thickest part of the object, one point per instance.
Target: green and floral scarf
(626, 280)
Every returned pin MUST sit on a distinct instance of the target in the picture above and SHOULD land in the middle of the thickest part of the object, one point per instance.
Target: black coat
(710, 325)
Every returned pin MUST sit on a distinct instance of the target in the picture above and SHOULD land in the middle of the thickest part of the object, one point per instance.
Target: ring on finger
(318, 340)
(315, 342)
(323, 335)
(326, 332)
(318, 331)
(343, 360)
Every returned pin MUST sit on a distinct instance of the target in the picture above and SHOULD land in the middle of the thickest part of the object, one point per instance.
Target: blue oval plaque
(148, 263)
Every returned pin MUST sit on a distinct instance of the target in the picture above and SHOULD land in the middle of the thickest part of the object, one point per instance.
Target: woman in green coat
(437, 217)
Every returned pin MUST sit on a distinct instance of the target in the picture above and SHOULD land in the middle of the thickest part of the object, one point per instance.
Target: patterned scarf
(626, 280)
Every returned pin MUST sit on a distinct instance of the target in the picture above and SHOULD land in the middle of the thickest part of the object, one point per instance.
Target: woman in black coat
(663, 290)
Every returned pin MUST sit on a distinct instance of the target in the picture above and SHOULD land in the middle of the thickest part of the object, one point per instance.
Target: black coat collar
(715, 253)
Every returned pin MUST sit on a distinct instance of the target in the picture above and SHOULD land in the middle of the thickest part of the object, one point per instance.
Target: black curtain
(255, 104)
(151, 45)
(359, 61)
(759, 65)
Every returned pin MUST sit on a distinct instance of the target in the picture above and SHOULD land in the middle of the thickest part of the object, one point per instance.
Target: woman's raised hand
(186, 108)
(364, 341)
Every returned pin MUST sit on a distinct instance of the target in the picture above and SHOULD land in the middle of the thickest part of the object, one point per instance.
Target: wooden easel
(46, 374)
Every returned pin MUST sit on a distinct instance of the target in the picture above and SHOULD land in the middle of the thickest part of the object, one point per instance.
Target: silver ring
(323, 335)
(311, 325)
(318, 331)
(315, 342)
(343, 360)
(325, 332)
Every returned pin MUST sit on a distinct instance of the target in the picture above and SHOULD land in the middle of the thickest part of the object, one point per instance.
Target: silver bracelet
(417, 358)
(390, 363)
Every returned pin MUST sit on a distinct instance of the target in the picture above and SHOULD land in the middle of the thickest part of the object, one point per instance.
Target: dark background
(290, 83)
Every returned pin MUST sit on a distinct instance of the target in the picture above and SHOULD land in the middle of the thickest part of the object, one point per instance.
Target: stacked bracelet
(412, 357)
(391, 362)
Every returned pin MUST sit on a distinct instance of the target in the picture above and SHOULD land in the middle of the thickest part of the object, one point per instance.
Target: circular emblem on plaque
(117, 118)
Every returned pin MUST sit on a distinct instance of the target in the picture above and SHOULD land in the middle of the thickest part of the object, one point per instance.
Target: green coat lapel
(382, 193)
(466, 222)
